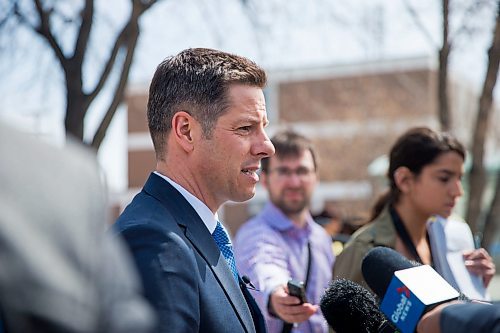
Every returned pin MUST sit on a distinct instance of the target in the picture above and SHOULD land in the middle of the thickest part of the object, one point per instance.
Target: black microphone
(248, 283)
(407, 289)
(350, 308)
(379, 265)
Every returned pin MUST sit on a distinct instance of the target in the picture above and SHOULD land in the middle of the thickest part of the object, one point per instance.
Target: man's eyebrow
(253, 119)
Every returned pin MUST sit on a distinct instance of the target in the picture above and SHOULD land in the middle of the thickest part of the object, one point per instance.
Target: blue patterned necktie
(222, 239)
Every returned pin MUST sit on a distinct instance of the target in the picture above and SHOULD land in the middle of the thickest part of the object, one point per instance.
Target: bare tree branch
(84, 32)
(493, 217)
(464, 27)
(145, 4)
(44, 30)
(9, 13)
(126, 40)
(477, 173)
(138, 8)
(77, 100)
(444, 55)
(251, 13)
(120, 40)
(416, 19)
(119, 93)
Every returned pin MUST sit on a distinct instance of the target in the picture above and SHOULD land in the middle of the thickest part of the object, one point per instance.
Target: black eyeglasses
(301, 172)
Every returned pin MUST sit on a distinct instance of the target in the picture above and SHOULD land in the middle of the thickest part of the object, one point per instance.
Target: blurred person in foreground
(206, 115)
(283, 242)
(60, 271)
(425, 175)
(459, 317)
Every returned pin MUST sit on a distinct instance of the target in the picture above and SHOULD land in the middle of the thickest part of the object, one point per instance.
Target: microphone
(378, 267)
(350, 308)
(248, 283)
(407, 289)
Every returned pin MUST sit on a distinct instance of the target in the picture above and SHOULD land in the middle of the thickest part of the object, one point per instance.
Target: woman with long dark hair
(425, 173)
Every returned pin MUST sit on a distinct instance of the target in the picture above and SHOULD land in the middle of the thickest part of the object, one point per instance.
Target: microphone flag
(412, 292)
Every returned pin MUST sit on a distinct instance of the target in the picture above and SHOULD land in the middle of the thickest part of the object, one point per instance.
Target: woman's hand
(480, 263)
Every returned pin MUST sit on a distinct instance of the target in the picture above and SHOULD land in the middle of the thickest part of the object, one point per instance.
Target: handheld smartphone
(296, 288)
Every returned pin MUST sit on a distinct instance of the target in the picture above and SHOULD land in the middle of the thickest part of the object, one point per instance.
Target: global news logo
(404, 305)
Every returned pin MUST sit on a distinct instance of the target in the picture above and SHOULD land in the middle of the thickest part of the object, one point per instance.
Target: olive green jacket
(380, 232)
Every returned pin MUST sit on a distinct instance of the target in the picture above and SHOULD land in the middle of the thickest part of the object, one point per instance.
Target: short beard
(290, 210)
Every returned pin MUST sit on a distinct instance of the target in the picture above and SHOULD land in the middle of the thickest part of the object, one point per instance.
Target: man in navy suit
(206, 115)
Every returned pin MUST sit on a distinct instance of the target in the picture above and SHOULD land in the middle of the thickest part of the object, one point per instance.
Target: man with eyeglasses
(283, 242)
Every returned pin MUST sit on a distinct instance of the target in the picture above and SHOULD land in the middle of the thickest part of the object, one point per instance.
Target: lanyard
(404, 235)
(287, 327)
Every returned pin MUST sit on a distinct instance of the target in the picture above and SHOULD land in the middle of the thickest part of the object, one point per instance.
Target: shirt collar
(276, 219)
(206, 215)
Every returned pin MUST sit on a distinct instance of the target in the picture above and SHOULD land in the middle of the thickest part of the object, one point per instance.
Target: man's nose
(264, 147)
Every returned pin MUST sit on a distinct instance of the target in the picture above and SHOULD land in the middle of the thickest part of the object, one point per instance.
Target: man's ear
(403, 177)
(182, 129)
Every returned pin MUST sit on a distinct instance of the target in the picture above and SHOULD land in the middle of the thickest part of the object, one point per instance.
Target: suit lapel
(207, 248)
(201, 239)
(258, 318)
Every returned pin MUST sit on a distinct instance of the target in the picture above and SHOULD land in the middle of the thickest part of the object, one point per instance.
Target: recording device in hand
(350, 308)
(297, 289)
(407, 290)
